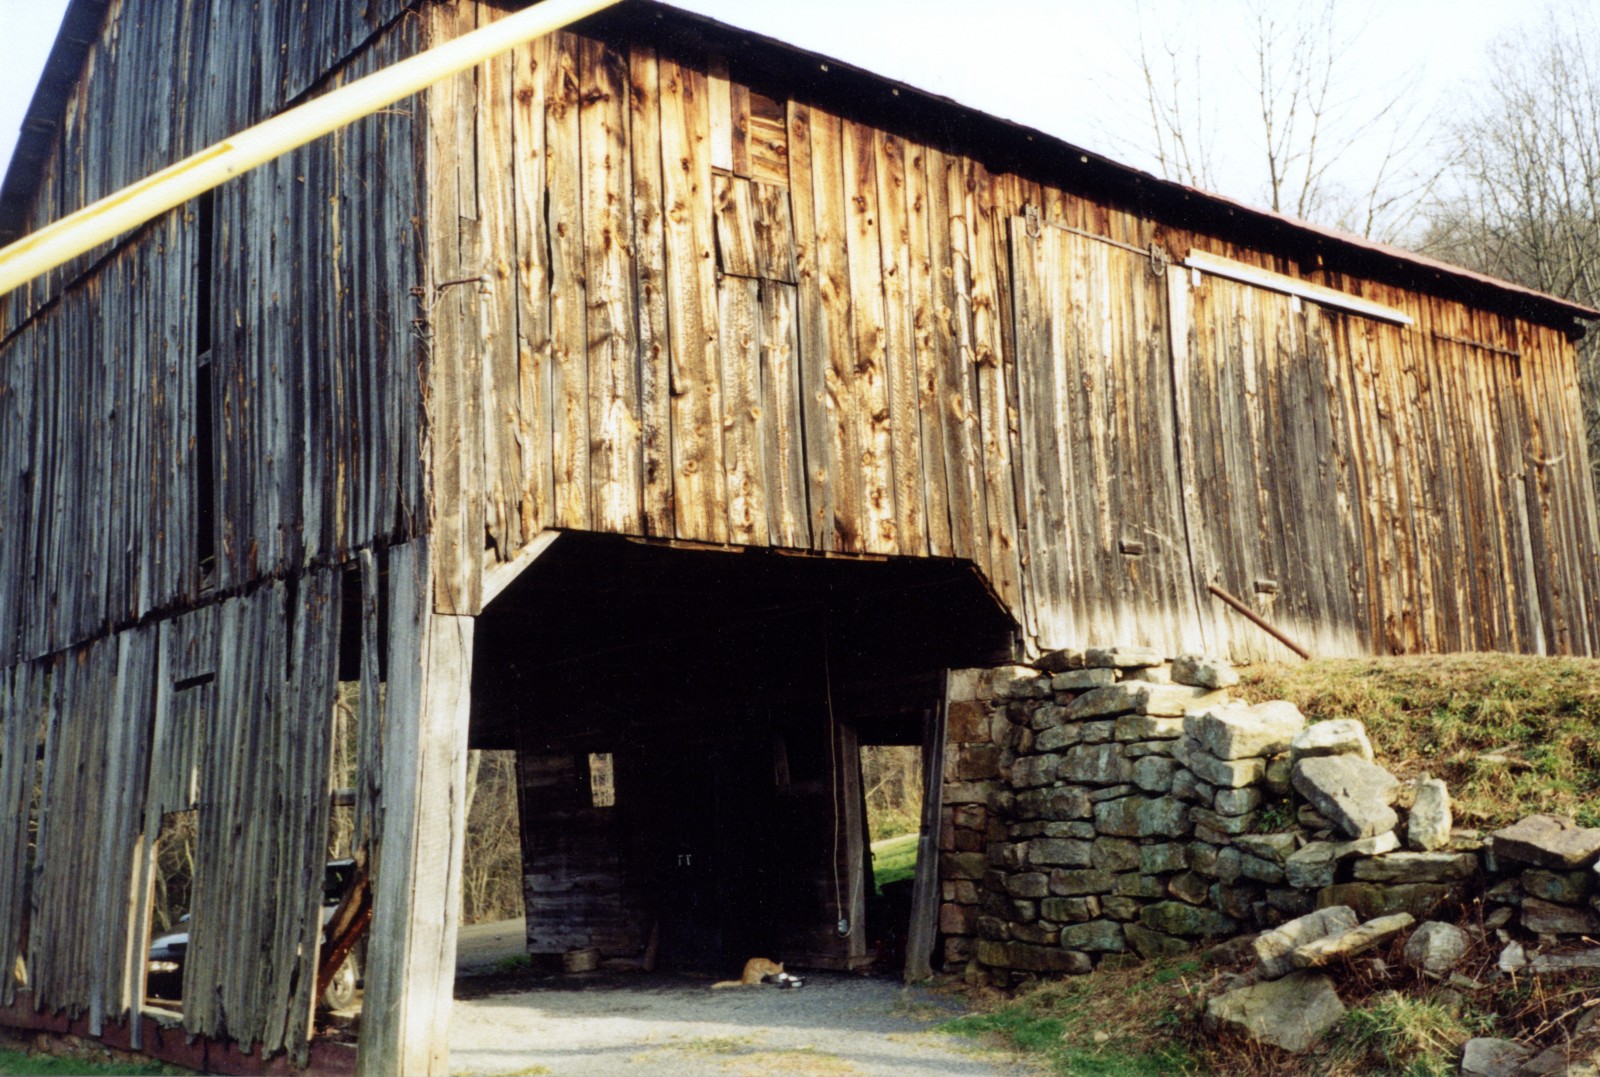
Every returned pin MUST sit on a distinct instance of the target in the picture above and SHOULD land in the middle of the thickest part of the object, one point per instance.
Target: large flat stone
(1272, 948)
(1566, 962)
(1354, 794)
(1034, 770)
(1238, 731)
(1203, 672)
(1058, 852)
(1122, 657)
(1080, 680)
(1150, 943)
(1125, 697)
(1325, 951)
(1314, 865)
(1417, 868)
(1178, 918)
(1095, 936)
(1548, 841)
(1548, 918)
(1027, 958)
(1013, 682)
(1177, 700)
(1143, 817)
(1371, 900)
(1337, 736)
(1486, 1057)
(1292, 1013)
(1096, 764)
(1228, 773)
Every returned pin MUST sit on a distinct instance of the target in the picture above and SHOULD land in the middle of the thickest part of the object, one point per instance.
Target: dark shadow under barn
(688, 724)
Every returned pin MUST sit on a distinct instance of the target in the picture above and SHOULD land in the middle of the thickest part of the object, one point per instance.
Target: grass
(893, 859)
(1511, 735)
(19, 1062)
(1399, 1035)
(515, 963)
(1122, 1023)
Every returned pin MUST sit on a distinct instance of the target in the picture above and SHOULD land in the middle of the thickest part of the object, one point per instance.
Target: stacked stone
(1547, 867)
(1092, 835)
(975, 727)
(1234, 764)
(1350, 840)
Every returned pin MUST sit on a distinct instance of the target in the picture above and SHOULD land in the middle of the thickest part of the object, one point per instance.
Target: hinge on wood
(1033, 220)
(1159, 260)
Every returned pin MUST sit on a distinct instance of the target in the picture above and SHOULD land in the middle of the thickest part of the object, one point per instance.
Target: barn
(676, 408)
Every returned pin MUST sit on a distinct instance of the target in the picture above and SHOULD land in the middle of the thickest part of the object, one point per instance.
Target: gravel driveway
(600, 1024)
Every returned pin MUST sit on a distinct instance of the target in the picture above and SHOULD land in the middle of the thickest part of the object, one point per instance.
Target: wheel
(341, 992)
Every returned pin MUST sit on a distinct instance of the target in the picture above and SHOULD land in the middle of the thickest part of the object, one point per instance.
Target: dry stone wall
(1110, 804)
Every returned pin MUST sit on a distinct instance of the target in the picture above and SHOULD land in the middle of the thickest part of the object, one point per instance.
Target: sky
(1066, 67)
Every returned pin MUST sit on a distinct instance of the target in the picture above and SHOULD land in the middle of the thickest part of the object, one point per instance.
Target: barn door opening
(724, 686)
(900, 724)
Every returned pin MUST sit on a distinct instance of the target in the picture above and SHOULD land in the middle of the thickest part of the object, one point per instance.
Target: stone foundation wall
(1111, 804)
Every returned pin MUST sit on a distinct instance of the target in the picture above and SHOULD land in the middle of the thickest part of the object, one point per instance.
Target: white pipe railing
(87, 228)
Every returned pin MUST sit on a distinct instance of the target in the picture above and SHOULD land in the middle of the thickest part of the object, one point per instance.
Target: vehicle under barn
(676, 407)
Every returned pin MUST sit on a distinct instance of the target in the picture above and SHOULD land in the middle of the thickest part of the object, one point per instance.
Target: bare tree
(1305, 117)
(1524, 199)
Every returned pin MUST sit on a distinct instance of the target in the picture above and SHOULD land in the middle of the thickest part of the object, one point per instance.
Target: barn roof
(1000, 144)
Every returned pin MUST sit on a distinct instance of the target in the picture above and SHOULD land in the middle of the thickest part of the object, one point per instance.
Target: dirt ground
(604, 1024)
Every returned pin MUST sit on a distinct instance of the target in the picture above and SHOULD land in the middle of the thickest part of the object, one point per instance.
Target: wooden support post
(924, 927)
(417, 874)
(852, 822)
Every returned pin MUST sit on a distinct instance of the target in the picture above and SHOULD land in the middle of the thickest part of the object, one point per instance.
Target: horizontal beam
(58, 243)
(1245, 273)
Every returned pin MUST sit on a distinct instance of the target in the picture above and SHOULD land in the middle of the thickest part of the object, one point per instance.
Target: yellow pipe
(137, 203)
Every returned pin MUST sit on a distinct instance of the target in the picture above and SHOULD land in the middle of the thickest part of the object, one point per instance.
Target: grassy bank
(1510, 735)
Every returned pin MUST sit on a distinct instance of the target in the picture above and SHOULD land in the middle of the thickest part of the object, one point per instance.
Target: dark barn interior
(688, 724)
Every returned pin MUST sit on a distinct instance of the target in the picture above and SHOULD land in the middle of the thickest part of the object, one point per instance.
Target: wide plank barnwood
(417, 884)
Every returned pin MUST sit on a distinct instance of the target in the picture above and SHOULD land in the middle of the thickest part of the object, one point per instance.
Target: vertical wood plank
(499, 338)
(735, 225)
(900, 355)
(782, 409)
(930, 409)
(535, 407)
(608, 275)
(569, 389)
(742, 436)
(993, 396)
(846, 451)
(700, 499)
(454, 372)
(774, 233)
(720, 118)
(869, 386)
(650, 294)
(818, 406)
(953, 343)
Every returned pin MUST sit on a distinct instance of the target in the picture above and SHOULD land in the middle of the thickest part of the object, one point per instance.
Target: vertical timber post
(421, 825)
(924, 928)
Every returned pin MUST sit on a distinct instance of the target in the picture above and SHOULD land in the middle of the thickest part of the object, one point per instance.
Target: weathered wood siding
(709, 314)
(155, 658)
(308, 344)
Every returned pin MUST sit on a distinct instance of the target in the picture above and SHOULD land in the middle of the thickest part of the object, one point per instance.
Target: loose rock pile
(1110, 803)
